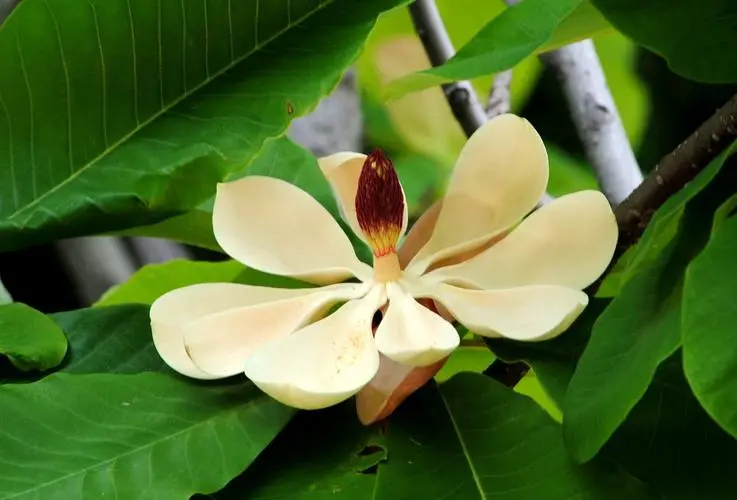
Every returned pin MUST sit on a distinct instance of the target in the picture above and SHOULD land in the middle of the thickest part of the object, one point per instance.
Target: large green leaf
(521, 30)
(670, 443)
(114, 339)
(470, 438)
(488, 442)
(667, 440)
(122, 113)
(689, 34)
(29, 338)
(709, 319)
(280, 158)
(152, 281)
(638, 330)
(126, 434)
(147, 435)
(320, 455)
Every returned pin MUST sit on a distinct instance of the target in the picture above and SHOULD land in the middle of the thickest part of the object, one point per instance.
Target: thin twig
(500, 96)
(460, 95)
(596, 118)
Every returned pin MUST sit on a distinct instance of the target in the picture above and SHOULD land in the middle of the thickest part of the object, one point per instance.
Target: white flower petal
(528, 313)
(177, 308)
(324, 363)
(342, 170)
(568, 242)
(412, 334)
(220, 344)
(499, 177)
(275, 227)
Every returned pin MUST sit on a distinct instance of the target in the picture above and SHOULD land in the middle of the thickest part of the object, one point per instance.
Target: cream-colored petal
(275, 227)
(528, 313)
(177, 308)
(392, 384)
(500, 175)
(221, 343)
(568, 242)
(324, 363)
(342, 170)
(412, 334)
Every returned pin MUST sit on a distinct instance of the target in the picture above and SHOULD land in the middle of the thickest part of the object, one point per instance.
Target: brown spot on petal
(380, 203)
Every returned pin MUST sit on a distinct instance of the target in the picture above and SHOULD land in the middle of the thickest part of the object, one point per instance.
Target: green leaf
(709, 316)
(154, 280)
(148, 435)
(689, 34)
(302, 464)
(489, 442)
(465, 359)
(662, 227)
(667, 440)
(280, 158)
(114, 339)
(471, 438)
(670, 443)
(554, 361)
(521, 30)
(118, 114)
(29, 338)
(638, 330)
(127, 434)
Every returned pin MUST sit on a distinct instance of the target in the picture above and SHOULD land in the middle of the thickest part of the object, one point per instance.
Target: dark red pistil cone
(380, 203)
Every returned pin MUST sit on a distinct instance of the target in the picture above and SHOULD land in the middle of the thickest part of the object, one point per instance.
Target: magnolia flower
(477, 255)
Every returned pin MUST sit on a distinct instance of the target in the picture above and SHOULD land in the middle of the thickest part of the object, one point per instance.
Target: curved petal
(499, 177)
(175, 309)
(221, 343)
(392, 384)
(323, 363)
(275, 227)
(342, 170)
(412, 334)
(528, 313)
(568, 242)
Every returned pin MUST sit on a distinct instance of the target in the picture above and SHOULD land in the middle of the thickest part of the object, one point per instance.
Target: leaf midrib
(466, 455)
(163, 110)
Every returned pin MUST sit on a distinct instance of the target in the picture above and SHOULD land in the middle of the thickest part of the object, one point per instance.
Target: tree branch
(674, 171)
(460, 95)
(595, 116)
(500, 96)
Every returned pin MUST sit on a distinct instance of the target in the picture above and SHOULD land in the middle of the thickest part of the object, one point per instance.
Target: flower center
(380, 213)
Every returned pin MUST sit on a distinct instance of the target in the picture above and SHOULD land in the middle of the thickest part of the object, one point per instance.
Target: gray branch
(500, 96)
(460, 95)
(596, 118)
